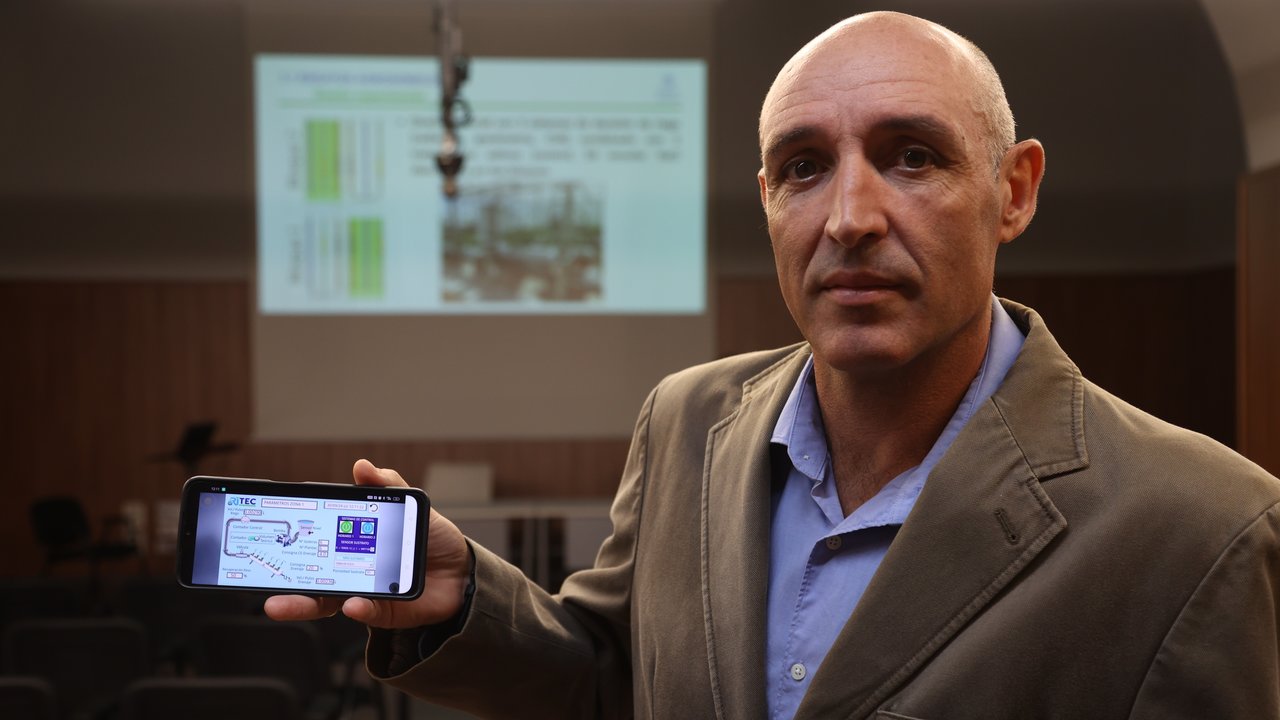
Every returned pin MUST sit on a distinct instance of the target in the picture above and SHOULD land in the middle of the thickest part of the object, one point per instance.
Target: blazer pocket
(886, 715)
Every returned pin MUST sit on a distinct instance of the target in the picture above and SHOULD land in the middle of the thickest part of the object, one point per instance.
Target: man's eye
(801, 170)
(915, 158)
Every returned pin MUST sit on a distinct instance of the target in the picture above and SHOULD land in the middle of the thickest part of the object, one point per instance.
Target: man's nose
(857, 204)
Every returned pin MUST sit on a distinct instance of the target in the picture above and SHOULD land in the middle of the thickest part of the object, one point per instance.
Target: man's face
(882, 200)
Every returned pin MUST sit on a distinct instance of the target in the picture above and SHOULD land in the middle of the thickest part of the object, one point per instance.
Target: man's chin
(862, 357)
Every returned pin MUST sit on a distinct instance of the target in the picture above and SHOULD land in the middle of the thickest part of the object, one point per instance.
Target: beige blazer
(1069, 557)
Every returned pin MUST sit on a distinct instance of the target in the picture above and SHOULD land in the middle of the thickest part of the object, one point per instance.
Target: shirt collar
(800, 429)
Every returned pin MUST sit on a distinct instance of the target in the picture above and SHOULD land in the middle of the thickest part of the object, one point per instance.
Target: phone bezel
(189, 513)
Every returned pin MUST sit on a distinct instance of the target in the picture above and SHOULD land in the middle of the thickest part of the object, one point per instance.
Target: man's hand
(447, 572)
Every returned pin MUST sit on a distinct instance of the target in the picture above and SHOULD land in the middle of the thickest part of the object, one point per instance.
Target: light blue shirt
(820, 561)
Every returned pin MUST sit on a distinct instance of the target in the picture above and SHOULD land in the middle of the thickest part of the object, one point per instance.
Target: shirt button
(798, 672)
(834, 543)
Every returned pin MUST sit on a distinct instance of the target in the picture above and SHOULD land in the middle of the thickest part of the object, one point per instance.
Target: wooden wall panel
(1258, 272)
(98, 376)
(751, 316)
(1161, 342)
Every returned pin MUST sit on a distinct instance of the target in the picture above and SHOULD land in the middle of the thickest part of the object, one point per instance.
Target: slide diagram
(284, 536)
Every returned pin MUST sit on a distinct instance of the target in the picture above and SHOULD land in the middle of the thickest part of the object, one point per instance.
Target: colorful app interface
(299, 543)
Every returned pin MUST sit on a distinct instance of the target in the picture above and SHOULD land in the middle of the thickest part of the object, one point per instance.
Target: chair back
(260, 647)
(88, 662)
(29, 698)
(240, 698)
(172, 613)
(60, 523)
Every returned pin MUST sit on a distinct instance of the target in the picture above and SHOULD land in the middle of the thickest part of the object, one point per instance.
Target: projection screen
(567, 276)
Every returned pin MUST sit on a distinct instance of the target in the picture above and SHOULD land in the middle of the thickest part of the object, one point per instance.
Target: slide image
(526, 243)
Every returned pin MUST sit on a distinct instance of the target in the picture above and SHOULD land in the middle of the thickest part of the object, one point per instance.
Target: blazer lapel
(736, 485)
(979, 522)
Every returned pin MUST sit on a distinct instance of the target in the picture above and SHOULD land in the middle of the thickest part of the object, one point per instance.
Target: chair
(244, 698)
(171, 614)
(27, 698)
(62, 529)
(260, 647)
(88, 662)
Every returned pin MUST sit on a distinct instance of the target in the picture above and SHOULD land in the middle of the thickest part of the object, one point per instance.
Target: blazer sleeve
(1221, 658)
(524, 653)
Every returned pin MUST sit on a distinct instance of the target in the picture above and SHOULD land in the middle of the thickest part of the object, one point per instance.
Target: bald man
(923, 511)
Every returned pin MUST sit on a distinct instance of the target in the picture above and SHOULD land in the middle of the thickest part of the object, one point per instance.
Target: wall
(129, 219)
(1247, 31)
(99, 377)
(1258, 333)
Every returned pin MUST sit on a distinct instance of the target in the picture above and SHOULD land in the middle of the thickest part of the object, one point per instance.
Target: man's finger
(366, 473)
(299, 607)
(361, 610)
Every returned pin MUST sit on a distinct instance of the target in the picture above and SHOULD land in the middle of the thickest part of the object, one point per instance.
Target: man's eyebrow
(918, 124)
(925, 125)
(794, 135)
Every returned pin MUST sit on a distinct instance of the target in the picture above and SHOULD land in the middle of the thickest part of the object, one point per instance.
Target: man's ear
(764, 194)
(1020, 175)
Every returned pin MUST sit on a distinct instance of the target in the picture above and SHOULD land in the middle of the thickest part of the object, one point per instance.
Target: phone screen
(307, 538)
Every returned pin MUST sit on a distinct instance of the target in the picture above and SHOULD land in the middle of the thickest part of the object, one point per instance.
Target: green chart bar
(365, 243)
(322, 160)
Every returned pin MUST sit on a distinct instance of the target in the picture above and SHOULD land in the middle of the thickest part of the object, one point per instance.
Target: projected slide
(583, 189)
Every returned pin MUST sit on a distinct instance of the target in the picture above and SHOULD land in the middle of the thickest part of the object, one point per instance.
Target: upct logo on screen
(234, 501)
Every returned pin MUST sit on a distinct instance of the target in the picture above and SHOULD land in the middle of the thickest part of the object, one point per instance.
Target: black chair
(260, 647)
(88, 662)
(171, 614)
(27, 698)
(62, 529)
(242, 698)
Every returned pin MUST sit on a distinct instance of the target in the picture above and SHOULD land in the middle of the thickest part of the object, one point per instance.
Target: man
(924, 511)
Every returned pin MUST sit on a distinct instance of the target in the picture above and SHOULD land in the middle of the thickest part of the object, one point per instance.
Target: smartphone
(302, 538)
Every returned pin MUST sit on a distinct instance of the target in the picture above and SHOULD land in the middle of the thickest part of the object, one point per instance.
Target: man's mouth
(858, 287)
